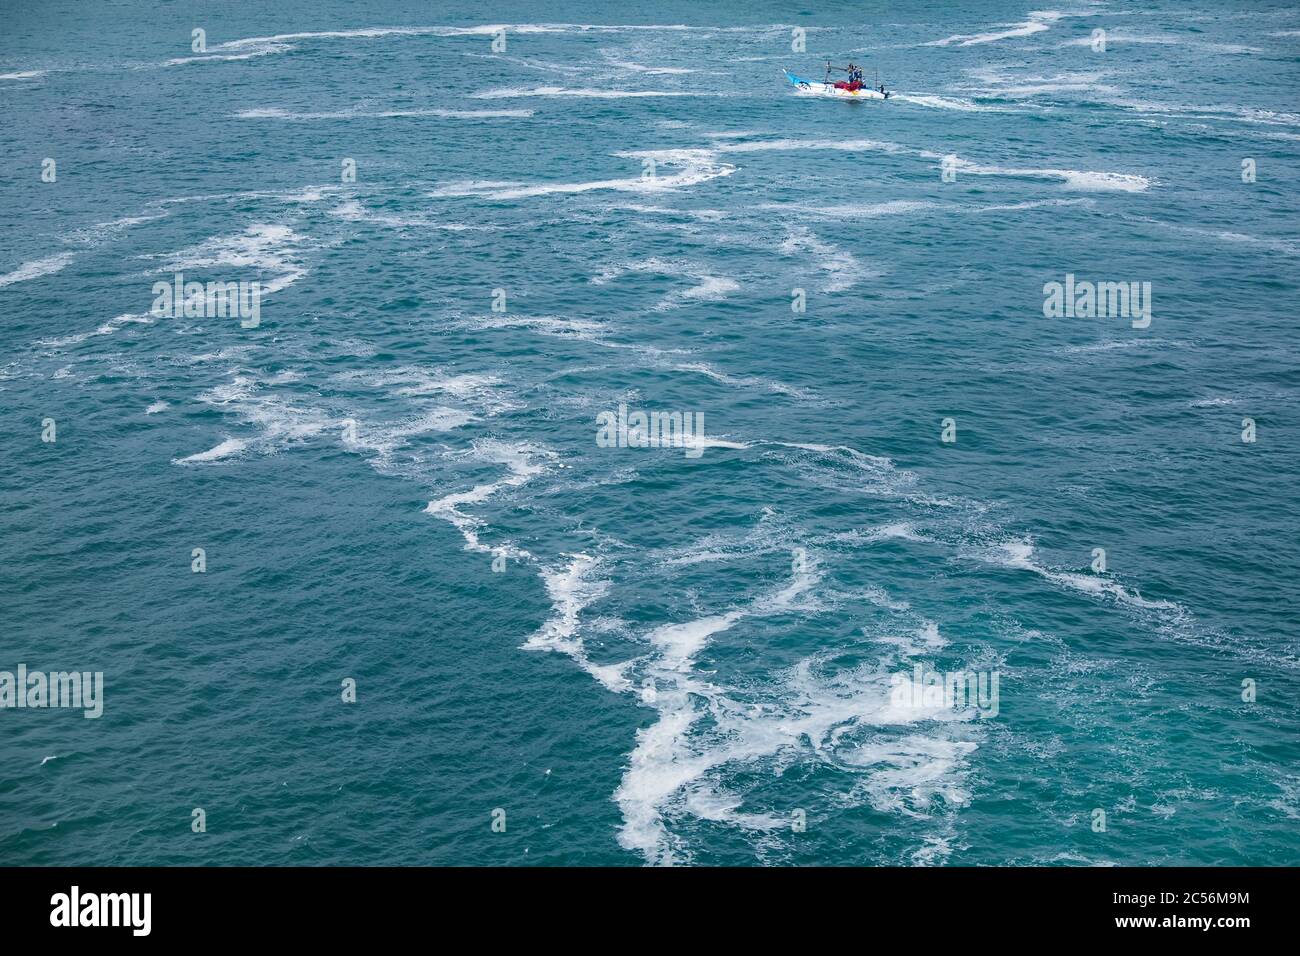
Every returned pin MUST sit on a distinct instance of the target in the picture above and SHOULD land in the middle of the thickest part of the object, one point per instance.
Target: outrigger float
(853, 88)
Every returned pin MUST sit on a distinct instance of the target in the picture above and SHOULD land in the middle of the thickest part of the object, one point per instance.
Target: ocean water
(684, 655)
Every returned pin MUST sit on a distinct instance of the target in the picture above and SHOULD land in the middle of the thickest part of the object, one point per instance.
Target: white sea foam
(385, 439)
(545, 324)
(1037, 22)
(659, 766)
(676, 762)
(912, 643)
(571, 590)
(937, 102)
(597, 93)
(880, 598)
(36, 268)
(848, 719)
(105, 328)
(359, 112)
(708, 441)
(483, 390)
(1224, 113)
(23, 75)
(111, 229)
(1287, 247)
(898, 531)
(307, 194)
(707, 287)
(908, 775)
(353, 211)
(711, 289)
(1122, 37)
(707, 215)
(279, 418)
(1084, 180)
(229, 448)
(842, 268)
(261, 247)
(1112, 345)
(155, 408)
(665, 765)
(892, 207)
(997, 81)
(1034, 204)
(935, 851)
(544, 66)
(1077, 179)
(679, 643)
(523, 462)
(861, 459)
(649, 70)
(1000, 82)
(696, 165)
(681, 167)
(366, 33)
(249, 50)
(789, 145)
(373, 33)
(707, 370)
(1020, 554)
(585, 330)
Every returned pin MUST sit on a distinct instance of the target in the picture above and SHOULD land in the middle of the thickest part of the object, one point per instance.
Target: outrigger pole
(837, 69)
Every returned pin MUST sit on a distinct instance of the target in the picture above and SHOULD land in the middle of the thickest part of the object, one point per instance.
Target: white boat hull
(816, 88)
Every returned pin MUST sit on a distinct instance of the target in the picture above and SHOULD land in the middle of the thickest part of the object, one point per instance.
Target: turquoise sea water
(682, 653)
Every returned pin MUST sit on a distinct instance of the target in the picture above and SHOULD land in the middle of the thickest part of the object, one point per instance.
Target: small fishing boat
(852, 88)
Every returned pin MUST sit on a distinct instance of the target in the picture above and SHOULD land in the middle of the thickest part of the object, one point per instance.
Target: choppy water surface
(683, 650)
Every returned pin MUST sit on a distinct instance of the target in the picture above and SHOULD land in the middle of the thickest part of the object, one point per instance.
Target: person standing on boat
(854, 81)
